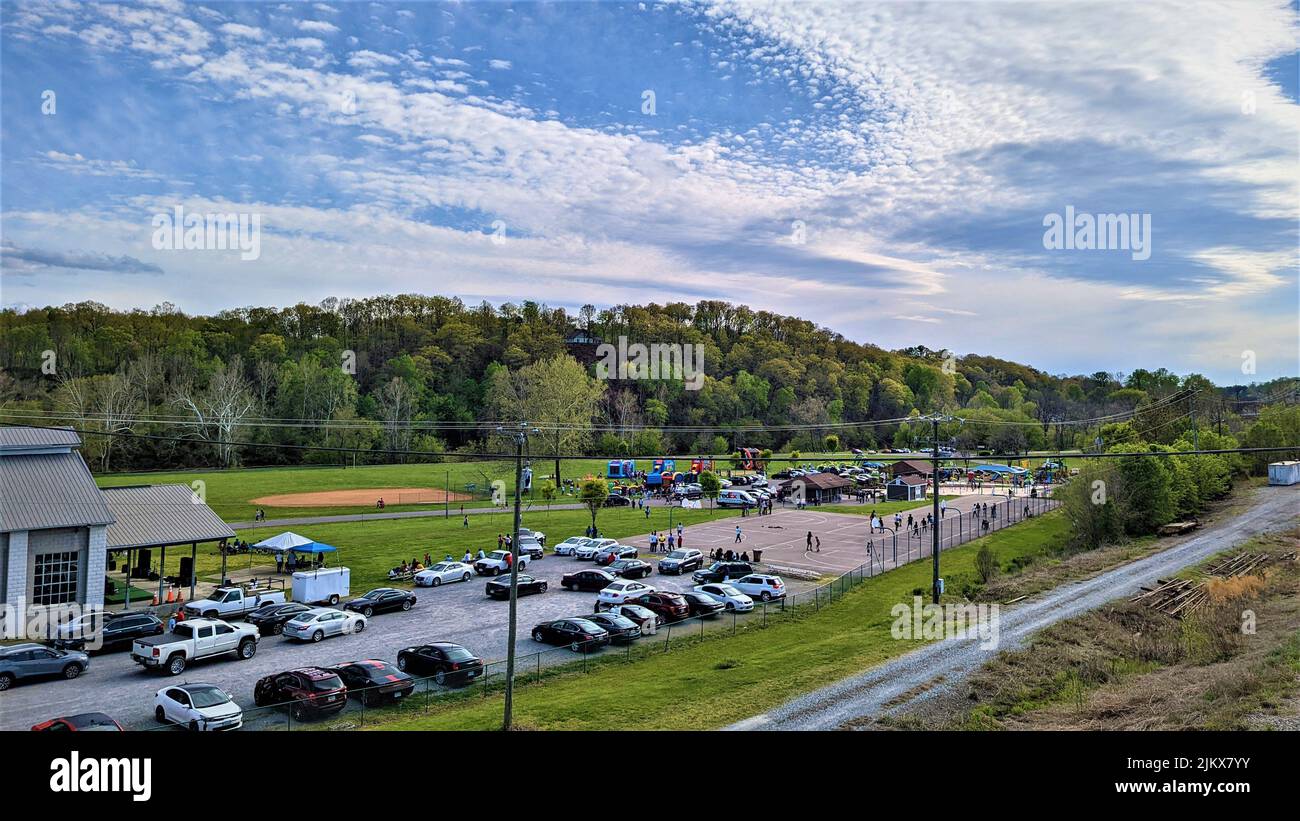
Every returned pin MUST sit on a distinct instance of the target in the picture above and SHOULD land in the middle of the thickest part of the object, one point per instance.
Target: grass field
(718, 679)
(370, 549)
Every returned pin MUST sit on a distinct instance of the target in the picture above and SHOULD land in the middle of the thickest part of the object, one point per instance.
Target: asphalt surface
(904, 682)
(458, 612)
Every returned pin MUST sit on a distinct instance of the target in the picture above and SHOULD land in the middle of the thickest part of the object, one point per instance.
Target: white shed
(1284, 473)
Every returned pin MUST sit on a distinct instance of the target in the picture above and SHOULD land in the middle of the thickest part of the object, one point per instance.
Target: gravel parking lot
(453, 612)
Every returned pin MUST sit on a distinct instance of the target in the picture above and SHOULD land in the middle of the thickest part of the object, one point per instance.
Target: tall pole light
(521, 438)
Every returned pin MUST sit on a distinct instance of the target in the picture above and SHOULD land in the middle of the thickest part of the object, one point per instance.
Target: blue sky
(881, 169)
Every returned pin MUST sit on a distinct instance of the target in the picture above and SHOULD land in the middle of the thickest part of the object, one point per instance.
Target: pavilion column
(129, 558)
(194, 560)
(162, 572)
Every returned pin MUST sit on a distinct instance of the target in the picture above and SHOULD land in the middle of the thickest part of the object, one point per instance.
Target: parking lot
(457, 612)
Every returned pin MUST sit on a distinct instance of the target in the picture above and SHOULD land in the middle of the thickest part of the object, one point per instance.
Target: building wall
(16, 568)
(73, 540)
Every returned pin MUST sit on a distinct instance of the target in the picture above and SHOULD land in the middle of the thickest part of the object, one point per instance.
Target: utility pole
(1191, 406)
(521, 439)
(935, 419)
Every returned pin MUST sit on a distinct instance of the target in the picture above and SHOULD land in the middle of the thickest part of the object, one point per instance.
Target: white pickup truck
(226, 602)
(191, 640)
(495, 563)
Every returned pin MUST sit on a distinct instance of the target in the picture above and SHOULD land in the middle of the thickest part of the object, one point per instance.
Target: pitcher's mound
(362, 496)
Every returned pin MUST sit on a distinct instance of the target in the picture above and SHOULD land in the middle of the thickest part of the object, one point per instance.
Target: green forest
(401, 378)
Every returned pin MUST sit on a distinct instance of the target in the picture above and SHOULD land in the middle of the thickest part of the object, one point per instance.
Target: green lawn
(712, 681)
(370, 549)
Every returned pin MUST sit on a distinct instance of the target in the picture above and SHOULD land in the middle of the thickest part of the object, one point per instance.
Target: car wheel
(247, 649)
(575, 646)
(496, 571)
(6, 681)
(537, 635)
(401, 663)
(440, 677)
(318, 635)
(569, 587)
(71, 671)
(368, 612)
(299, 712)
(730, 606)
(210, 614)
(160, 715)
(359, 626)
(465, 578)
(541, 588)
(277, 629)
(334, 599)
(176, 665)
(406, 605)
(437, 581)
(765, 596)
(194, 725)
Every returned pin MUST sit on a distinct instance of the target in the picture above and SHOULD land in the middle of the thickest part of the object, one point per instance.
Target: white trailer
(324, 586)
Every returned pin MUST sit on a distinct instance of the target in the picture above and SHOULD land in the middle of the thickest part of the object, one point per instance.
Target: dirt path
(933, 669)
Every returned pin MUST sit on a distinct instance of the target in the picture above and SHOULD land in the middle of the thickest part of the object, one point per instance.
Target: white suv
(593, 546)
(760, 586)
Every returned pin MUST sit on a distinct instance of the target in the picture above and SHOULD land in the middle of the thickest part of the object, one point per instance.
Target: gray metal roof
(39, 491)
(22, 437)
(155, 515)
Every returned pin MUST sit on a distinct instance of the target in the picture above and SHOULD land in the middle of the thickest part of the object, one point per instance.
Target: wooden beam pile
(1178, 597)
(1239, 565)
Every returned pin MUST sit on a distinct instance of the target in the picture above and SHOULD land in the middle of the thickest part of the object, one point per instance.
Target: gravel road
(934, 668)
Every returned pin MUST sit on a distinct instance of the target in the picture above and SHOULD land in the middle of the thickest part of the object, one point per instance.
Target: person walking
(738, 536)
(817, 543)
(808, 541)
(465, 523)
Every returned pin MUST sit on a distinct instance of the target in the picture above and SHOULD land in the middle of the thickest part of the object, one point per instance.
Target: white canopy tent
(285, 542)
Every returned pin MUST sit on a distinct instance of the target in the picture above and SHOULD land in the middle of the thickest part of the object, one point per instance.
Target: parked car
(566, 547)
(761, 586)
(82, 722)
(622, 591)
(30, 660)
(592, 579)
(722, 571)
(310, 692)
(495, 563)
(449, 664)
(204, 707)
(194, 639)
(444, 572)
(615, 500)
(499, 588)
(702, 604)
(613, 553)
(662, 603)
(228, 602)
(621, 629)
(580, 634)
(271, 618)
(374, 681)
(641, 615)
(681, 561)
(530, 547)
(588, 551)
(106, 631)
(381, 600)
(630, 568)
(727, 595)
(319, 622)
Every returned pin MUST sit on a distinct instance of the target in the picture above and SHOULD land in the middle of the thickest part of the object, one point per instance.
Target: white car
(443, 572)
(198, 707)
(728, 595)
(593, 546)
(569, 545)
(622, 592)
(495, 563)
(320, 622)
(760, 586)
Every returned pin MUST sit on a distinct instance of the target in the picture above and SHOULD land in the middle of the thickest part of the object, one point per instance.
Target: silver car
(31, 660)
(320, 622)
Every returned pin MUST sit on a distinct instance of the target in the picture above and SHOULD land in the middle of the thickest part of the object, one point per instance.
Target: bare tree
(395, 410)
(219, 411)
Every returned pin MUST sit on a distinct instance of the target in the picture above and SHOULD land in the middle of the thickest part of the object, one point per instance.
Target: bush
(986, 564)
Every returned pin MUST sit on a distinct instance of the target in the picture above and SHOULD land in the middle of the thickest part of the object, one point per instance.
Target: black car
(499, 588)
(621, 629)
(593, 579)
(722, 571)
(449, 664)
(702, 604)
(118, 631)
(615, 500)
(382, 600)
(271, 618)
(581, 635)
(374, 681)
(631, 568)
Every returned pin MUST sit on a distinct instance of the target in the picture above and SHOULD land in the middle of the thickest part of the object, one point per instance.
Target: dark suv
(118, 631)
(672, 606)
(313, 692)
(721, 572)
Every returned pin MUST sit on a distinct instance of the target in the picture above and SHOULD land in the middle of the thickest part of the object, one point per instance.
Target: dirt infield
(362, 496)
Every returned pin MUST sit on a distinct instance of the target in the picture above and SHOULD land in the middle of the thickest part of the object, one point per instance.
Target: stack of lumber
(1239, 565)
(1178, 597)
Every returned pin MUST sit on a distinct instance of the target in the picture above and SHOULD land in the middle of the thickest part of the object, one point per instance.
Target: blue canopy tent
(1002, 469)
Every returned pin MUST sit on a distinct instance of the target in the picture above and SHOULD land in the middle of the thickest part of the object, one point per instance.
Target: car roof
(15, 648)
(313, 673)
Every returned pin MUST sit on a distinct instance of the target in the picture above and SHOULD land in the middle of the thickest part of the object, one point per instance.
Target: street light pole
(935, 419)
(521, 438)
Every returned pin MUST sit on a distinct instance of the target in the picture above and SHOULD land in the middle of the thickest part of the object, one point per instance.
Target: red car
(671, 606)
(311, 692)
(82, 722)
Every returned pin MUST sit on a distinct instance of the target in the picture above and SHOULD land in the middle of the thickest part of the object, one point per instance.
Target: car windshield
(324, 685)
(208, 696)
(457, 653)
(498, 554)
(440, 566)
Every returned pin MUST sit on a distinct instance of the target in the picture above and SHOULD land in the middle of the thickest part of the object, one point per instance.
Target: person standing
(817, 542)
(808, 541)
(465, 522)
(738, 536)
